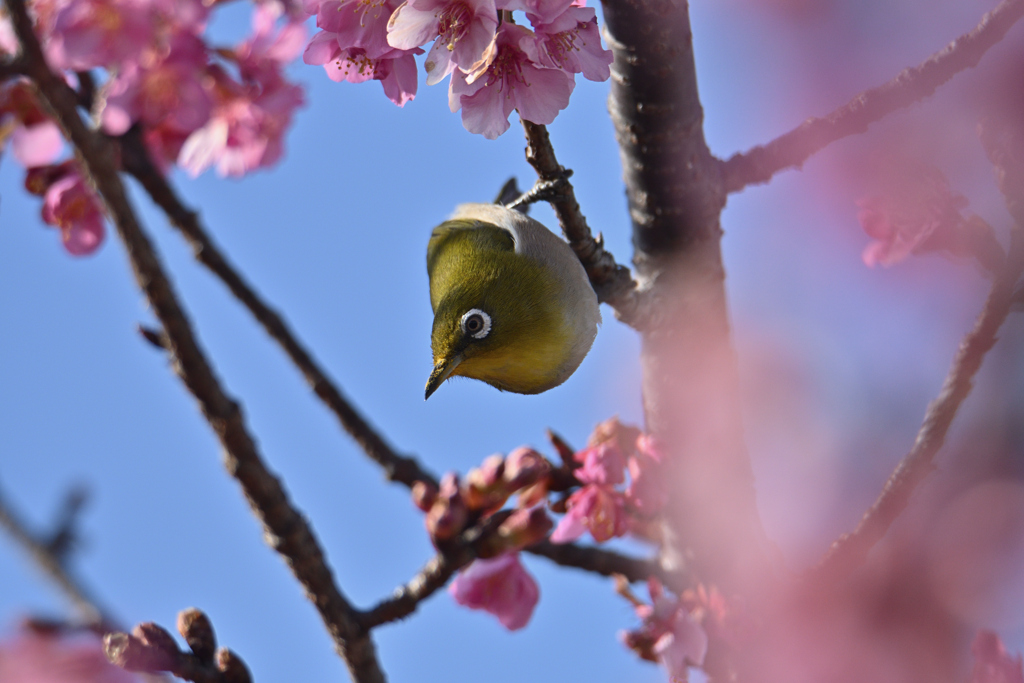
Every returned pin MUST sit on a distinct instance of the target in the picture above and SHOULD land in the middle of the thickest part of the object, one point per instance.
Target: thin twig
(285, 528)
(609, 563)
(54, 564)
(406, 599)
(397, 467)
(850, 551)
(612, 282)
(911, 85)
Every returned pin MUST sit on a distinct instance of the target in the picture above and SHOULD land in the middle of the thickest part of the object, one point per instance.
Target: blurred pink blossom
(247, 126)
(270, 49)
(85, 34)
(508, 80)
(918, 214)
(646, 492)
(602, 463)
(594, 508)
(169, 93)
(70, 205)
(38, 657)
(463, 30)
(992, 663)
(501, 586)
(37, 145)
(683, 646)
(669, 633)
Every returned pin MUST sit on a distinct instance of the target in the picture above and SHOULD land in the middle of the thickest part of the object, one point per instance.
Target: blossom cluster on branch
(495, 65)
(197, 105)
(611, 488)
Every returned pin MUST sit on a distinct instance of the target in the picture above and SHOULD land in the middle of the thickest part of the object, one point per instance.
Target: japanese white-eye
(512, 304)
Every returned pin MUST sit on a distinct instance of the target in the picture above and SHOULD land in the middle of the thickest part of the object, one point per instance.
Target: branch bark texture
(690, 380)
(285, 528)
(396, 467)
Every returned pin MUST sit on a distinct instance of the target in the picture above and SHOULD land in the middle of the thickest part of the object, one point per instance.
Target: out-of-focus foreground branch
(1005, 148)
(286, 529)
(911, 85)
(50, 553)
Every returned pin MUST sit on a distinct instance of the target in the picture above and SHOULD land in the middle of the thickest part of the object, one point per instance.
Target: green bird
(512, 304)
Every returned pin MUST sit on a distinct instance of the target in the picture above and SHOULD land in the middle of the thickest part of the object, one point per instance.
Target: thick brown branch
(612, 282)
(285, 528)
(909, 86)
(396, 467)
(850, 551)
(690, 376)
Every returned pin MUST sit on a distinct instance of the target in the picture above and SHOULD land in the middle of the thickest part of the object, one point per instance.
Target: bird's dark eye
(476, 323)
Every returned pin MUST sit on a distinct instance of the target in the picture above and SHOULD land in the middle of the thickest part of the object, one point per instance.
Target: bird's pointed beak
(442, 371)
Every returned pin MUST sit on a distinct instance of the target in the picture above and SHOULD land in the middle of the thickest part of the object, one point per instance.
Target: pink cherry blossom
(358, 24)
(508, 80)
(169, 93)
(597, 509)
(669, 632)
(603, 463)
(685, 645)
(646, 492)
(917, 215)
(462, 29)
(35, 657)
(37, 145)
(396, 70)
(269, 48)
(992, 663)
(70, 205)
(571, 42)
(501, 586)
(91, 33)
(540, 11)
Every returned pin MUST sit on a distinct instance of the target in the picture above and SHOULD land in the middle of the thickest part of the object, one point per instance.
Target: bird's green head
(497, 315)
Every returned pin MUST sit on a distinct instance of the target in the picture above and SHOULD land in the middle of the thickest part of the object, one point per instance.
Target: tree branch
(911, 85)
(285, 528)
(612, 282)
(689, 366)
(53, 561)
(850, 550)
(396, 467)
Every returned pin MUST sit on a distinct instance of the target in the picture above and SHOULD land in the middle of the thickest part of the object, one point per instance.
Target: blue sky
(335, 238)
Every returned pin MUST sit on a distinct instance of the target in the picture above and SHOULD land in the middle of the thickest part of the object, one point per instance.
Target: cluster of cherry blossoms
(495, 65)
(195, 105)
(610, 488)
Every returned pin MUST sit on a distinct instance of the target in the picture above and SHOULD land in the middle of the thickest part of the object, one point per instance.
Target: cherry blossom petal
(501, 586)
(37, 145)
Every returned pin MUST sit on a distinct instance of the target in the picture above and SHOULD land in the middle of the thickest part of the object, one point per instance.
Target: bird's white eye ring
(476, 323)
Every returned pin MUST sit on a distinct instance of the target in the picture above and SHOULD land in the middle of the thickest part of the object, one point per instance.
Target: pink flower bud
(525, 527)
(485, 489)
(525, 467)
(423, 495)
(447, 516)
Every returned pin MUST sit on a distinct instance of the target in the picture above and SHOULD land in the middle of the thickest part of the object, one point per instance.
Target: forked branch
(911, 85)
